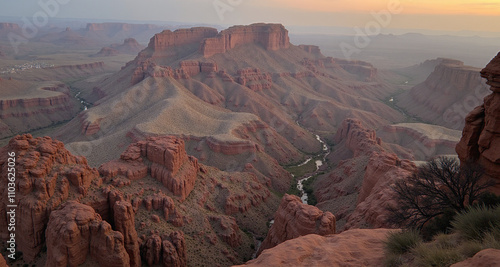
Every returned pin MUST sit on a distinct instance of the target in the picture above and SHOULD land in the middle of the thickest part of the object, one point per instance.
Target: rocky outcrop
(269, 36)
(446, 96)
(46, 175)
(107, 52)
(383, 171)
(76, 231)
(486, 257)
(129, 46)
(480, 141)
(124, 218)
(168, 251)
(360, 247)
(169, 164)
(294, 219)
(357, 138)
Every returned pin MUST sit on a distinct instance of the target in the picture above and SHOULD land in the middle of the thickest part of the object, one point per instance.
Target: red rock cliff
(46, 175)
(167, 38)
(294, 219)
(481, 135)
(270, 36)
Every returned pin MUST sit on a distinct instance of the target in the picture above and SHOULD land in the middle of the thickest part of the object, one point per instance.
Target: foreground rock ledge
(359, 247)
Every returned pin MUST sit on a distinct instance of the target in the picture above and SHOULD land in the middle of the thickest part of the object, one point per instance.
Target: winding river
(319, 163)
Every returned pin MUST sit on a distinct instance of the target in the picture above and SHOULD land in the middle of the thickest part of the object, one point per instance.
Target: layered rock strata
(269, 36)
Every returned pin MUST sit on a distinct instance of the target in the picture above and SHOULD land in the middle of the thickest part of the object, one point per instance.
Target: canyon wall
(480, 141)
(449, 93)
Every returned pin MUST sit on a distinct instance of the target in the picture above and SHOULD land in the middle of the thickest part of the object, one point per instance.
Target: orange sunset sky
(441, 15)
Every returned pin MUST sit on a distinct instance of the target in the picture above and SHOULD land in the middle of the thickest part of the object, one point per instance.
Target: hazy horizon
(462, 17)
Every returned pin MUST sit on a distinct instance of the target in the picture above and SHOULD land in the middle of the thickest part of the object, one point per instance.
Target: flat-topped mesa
(166, 39)
(270, 36)
(481, 135)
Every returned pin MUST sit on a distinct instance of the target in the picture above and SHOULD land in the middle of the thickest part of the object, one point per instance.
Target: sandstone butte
(294, 219)
(480, 141)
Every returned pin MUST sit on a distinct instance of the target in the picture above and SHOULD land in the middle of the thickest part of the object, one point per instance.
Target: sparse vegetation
(401, 242)
(441, 187)
(477, 221)
(473, 230)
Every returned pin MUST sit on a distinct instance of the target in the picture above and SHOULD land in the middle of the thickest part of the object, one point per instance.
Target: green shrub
(399, 243)
(470, 248)
(475, 222)
(393, 260)
(434, 255)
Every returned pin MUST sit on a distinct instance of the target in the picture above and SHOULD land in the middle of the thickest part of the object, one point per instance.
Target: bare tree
(439, 186)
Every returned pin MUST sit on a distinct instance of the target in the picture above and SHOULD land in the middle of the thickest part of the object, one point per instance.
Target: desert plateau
(234, 133)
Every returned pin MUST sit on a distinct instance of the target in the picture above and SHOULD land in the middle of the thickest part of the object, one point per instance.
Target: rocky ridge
(358, 189)
(60, 196)
(37, 111)
(481, 134)
(446, 96)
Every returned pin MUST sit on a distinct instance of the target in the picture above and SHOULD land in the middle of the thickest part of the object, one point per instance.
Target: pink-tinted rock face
(46, 174)
(270, 36)
(359, 247)
(294, 219)
(25, 114)
(76, 231)
(168, 251)
(166, 39)
(383, 170)
(481, 135)
(170, 164)
(124, 218)
(358, 139)
(486, 257)
(446, 96)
